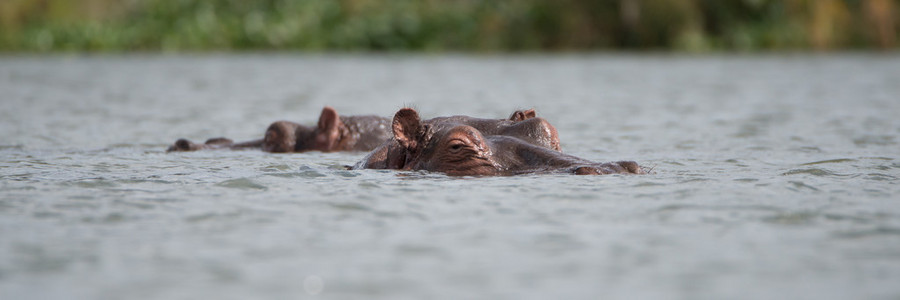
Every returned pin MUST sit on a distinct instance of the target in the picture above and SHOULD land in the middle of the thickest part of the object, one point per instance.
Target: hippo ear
(530, 114)
(328, 129)
(407, 128)
(522, 115)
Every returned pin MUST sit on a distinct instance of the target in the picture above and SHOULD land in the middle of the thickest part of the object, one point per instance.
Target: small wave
(346, 173)
(880, 177)
(310, 174)
(242, 183)
(92, 183)
(694, 180)
(419, 250)
(275, 168)
(873, 232)
(677, 207)
(284, 175)
(350, 206)
(874, 140)
(859, 219)
(212, 217)
(798, 185)
(815, 172)
(140, 181)
(808, 149)
(829, 161)
(110, 218)
(793, 218)
(647, 183)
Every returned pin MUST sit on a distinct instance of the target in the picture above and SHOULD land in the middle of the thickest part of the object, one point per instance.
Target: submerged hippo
(456, 147)
(524, 125)
(331, 133)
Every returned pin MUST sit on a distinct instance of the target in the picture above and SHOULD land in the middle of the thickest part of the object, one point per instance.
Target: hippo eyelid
(457, 144)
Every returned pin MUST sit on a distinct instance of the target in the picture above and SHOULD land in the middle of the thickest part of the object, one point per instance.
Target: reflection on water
(773, 177)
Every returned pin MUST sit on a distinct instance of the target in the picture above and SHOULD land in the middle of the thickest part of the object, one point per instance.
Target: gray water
(774, 177)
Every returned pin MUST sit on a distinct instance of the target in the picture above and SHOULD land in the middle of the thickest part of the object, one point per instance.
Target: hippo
(331, 133)
(522, 124)
(453, 146)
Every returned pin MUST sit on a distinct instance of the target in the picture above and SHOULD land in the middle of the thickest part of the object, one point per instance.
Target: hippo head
(524, 125)
(521, 124)
(457, 148)
(284, 136)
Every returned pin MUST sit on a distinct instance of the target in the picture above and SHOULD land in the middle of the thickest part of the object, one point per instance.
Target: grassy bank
(446, 25)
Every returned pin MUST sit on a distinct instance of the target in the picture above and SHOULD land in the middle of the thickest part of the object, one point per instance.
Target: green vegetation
(445, 25)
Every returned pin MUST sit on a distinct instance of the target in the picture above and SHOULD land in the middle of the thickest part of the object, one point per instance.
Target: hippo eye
(456, 146)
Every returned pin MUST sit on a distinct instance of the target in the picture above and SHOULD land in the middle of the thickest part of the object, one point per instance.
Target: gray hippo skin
(331, 133)
(458, 148)
(524, 125)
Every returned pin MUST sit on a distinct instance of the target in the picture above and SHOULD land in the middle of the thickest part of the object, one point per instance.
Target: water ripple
(111, 218)
(93, 183)
(815, 172)
(874, 140)
(350, 206)
(310, 174)
(242, 183)
(829, 161)
(798, 185)
(275, 168)
(792, 218)
(866, 233)
(880, 177)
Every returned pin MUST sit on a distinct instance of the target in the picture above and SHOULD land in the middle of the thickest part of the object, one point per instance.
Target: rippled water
(774, 177)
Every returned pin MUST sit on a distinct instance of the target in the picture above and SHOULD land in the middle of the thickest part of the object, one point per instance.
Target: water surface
(774, 177)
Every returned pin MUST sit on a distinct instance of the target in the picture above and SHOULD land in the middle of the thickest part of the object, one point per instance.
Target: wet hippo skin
(524, 125)
(454, 146)
(331, 133)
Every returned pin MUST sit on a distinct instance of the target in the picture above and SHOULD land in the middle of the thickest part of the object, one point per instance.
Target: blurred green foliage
(445, 25)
